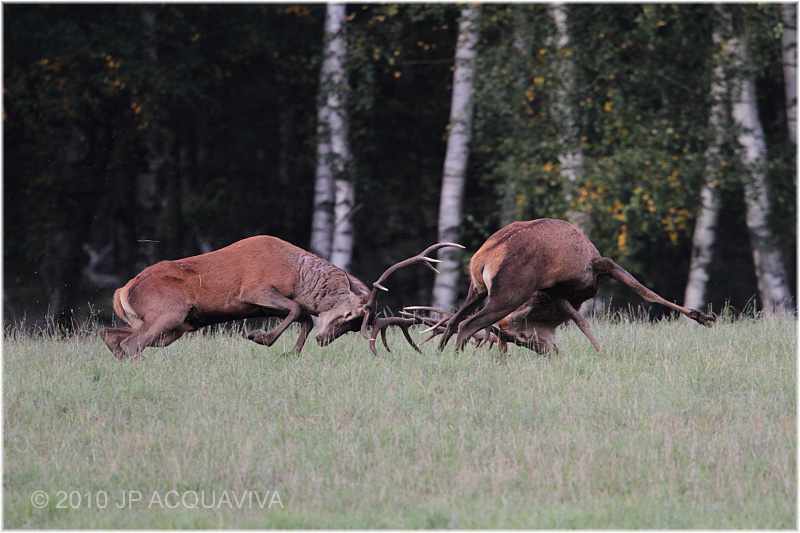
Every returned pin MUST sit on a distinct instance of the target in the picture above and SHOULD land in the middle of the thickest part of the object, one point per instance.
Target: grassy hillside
(679, 427)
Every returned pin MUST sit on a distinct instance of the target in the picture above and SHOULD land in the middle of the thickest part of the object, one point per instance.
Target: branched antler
(380, 324)
(491, 334)
(370, 308)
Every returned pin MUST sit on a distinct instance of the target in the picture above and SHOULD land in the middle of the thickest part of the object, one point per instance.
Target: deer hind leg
(157, 334)
(474, 297)
(113, 337)
(609, 267)
(274, 301)
(576, 317)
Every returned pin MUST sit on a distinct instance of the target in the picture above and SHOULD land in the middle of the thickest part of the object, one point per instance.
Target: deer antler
(444, 314)
(379, 324)
(491, 334)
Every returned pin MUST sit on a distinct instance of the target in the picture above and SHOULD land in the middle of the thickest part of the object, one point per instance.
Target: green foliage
(678, 428)
(646, 120)
(515, 147)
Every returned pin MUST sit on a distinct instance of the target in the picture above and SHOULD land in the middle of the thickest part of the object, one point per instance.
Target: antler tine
(429, 308)
(433, 325)
(486, 337)
(423, 320)
(381, 324)
(369, 307)
(489, 335)
(419, 258)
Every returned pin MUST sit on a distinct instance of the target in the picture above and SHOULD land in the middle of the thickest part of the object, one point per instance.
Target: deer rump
(260, 276)
(534, 276)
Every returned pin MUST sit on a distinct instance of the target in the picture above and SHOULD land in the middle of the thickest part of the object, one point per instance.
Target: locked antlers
(490, 335)
(379, 324)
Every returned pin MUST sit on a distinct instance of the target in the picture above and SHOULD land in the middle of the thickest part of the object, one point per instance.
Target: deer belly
(199, 316)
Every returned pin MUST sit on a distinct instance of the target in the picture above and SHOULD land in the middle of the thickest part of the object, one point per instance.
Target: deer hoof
(259, 337)
(703, 319)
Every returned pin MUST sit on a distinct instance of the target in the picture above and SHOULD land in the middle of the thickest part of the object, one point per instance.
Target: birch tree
(789, 45)
(565, 116)
(343, 239)
(705, 230)
(772, 280)
(456, 156)
(333, 148)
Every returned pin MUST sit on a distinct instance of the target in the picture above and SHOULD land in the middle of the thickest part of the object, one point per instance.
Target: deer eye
(348, 315)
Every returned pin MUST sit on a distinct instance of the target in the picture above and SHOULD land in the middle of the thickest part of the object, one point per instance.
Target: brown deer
(535, 275)
(259, 276)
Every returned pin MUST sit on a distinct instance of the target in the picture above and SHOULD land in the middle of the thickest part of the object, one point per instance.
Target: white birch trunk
(703, 239)
(456, 157)
(333, 148)
(343, 240)
(565, 116)
(773, 283)
(705, 229)
(789, 44)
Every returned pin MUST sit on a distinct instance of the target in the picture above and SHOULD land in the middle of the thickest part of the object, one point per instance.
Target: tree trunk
(343, 240)
(456, 157)
(705, 230)
(789, 44)
(286, 157)
(333, 147)
(565, 115)
(703, 239)
(147, 182)
(171, 232)
(773, 283)
(61, 269)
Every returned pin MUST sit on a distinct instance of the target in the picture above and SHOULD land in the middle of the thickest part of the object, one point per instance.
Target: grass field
(679, 427)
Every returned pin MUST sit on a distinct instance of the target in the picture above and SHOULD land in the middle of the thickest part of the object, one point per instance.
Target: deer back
(533, 255)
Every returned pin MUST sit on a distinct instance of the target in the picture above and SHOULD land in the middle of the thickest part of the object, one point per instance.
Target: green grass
(679, 427)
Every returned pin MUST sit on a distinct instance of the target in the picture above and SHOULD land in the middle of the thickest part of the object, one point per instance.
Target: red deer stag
(536, 274)
(260, 276)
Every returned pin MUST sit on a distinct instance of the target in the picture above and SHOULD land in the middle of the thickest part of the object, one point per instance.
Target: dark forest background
(136, 133)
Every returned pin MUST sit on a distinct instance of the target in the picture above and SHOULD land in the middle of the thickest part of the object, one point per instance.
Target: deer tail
(123, 307)
(603, 265)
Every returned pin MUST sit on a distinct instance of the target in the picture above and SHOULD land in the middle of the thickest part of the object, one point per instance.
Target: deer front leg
(576, 317)
(306, 325)
(493, 312)
(474, 297)
(272, 301)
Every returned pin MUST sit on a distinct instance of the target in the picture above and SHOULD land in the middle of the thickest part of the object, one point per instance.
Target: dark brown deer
(260, 276)
(535, 275)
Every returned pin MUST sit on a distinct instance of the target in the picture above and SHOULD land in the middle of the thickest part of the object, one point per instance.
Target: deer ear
(353, 287)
